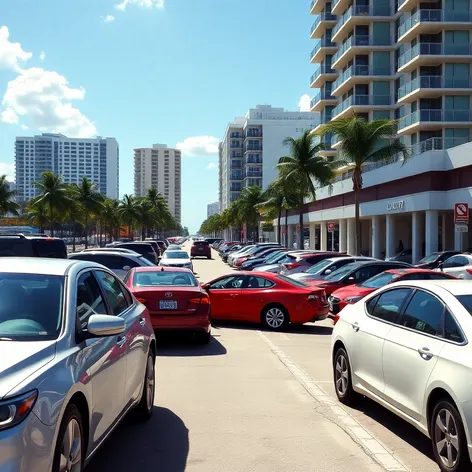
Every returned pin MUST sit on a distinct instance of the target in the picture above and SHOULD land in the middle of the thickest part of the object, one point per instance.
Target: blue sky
(149, 71)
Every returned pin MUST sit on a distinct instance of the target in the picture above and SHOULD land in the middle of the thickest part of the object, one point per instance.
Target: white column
(376, 240)
(390, 236)
(324, 236)
(443, 232)
(460, 241)
(312, 235)
(432, 230)
(351, 236)
(417, 234)
(290, 236)
(342, 235)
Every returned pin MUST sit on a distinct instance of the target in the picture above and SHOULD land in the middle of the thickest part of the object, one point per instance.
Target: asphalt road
(258, 401)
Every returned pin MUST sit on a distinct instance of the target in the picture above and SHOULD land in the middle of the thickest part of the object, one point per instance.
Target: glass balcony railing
(363, 100)
(362, 11)
(322, 43)
(323, 95)
(250, 160)
(253, 148)
(325, 117)
(434, 49)
(323, 16)
(355, 71)
(360, 40)
(253, 173)
(434, 82)
(323, 69)
(435, 116)
(434, 16)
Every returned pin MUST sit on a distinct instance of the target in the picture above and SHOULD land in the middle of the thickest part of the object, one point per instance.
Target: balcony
(322, 74)
(253, 148)
(323, 47)
(236, 146)
(322, 99)
(254, 173)
(254, 160)
(432, 22)
(236, 176)
(432, 86)
(317, 6)
(359, 44)
(407, 5)
(323, 21)
(432, 54)
(253, 134)
(338, 7)
(358, 74)
(434, 119)
(359, 15)
(362, 104)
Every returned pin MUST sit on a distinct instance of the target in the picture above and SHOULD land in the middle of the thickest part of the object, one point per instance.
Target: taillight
(469, 271)
(336, 319)
(292, 265)
(142, 300)
(203, 300)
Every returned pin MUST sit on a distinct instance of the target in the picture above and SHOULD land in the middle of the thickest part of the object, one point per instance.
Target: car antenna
(162, 269)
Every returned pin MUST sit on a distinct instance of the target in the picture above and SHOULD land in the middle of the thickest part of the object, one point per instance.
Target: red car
(174, 298)
(200, 248)
(273, 299)
(353, 293)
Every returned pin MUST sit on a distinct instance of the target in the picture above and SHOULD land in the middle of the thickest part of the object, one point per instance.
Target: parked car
(243, 251)
(266, 257)
(272, 299)
(117, 262)
(406, 347)
(19, 245)
(355, 273)
(176, 259)
(235, 260)
(433, 260)
(141, 247)
(459, 266)
(80, 355)
(303, 261)
(200, 249)
(353, 293)
(173, 247)
(174, 298)
(155, 246)
(402, 256)
(274, 266)
(237, 247)
(121, 250)
(212, 241)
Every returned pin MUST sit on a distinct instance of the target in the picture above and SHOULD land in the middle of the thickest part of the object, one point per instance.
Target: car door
(456, 266)
(364, 273)
(224, 296)
(255, 294)
(104, 358)
(369, 332)
(412, 348)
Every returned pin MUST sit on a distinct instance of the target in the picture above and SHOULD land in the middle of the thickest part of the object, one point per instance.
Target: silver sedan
(77, 354)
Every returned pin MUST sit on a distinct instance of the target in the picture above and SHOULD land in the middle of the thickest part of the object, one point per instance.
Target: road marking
(331, 409)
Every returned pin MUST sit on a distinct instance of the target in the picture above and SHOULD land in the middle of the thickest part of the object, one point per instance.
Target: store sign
(398, 205)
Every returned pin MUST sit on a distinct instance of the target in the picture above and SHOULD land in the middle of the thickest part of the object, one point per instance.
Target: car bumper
(180, 322)
(312, 313)
(28, 447)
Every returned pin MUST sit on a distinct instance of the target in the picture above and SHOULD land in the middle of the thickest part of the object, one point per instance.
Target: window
(370, 305)
(228, 283)
(424, 313)
(456, 261)
(257, 282)
(166, 278)
(367, 272)
(89, 299)
(380, 280)
(452, 331)
(389, 303)
(114, 293)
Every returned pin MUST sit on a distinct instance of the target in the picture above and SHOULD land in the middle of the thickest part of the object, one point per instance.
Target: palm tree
(7, 204)
(129, 211)
(37, 214)
(362, 142)
(247, 203)
(302, 167)
(111, 217)
(53, 194)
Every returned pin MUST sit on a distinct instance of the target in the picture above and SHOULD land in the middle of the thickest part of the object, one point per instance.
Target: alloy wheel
(71, 450)
(341, 375)
(447, 438)
(150, 383)
(275, 318)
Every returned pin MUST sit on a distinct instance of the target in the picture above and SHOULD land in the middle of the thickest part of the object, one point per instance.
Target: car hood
(352, 291)
(21, 359)
(175, 261)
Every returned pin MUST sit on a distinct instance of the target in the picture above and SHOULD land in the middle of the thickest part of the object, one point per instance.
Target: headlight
(353, 299)
(14, 410)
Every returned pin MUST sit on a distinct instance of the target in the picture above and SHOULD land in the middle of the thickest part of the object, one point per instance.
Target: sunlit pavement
(236, 406)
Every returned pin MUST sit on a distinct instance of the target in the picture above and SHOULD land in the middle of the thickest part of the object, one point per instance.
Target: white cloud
(140, 3)
(24, 127)
(43, 97)
(304, 103)
(199, 146)
(42, 56)
(108, 19)
(211, 165)
(8, 170)
(11, 54)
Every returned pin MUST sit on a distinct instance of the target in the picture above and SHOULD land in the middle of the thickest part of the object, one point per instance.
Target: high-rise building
(213, 209)
(252, 146)
(398, 59)
(159, 167)
(72, 158)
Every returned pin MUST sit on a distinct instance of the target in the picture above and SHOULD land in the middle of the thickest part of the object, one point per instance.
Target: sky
(150, 71)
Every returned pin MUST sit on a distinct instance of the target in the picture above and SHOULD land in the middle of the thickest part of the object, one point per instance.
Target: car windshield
(146, 262)
(175, 255)
(166, 278)
(296, 283)
(341, 272)
(431, 258)
(273, 257)
(315, 269)
(380, 280)
(30, 306)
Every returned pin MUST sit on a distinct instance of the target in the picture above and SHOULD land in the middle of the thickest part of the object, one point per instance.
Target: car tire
(208, 257)
(70, 445)
(343, 378)
(275, 317)
(448, 438)
(204, 338)
(145, 407)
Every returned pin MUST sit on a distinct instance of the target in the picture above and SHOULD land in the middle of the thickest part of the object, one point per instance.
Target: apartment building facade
(213, 209)
(72, 158)
(160, 168)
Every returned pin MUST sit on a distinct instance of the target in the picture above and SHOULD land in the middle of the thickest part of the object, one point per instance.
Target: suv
(200, 248)
(19, 245)
(144, 248)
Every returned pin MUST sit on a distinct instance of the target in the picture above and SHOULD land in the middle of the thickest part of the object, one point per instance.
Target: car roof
(161, 269)
(111, 252)
(38, 265)
(455, 287)
(304, 255)
(413, 270)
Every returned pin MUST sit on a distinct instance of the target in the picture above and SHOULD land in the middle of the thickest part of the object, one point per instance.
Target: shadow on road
(185, 345)
(314, 329)
(161, 443)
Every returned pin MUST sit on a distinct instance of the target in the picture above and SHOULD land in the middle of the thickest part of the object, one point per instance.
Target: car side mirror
(327, 271)
(206, 287)
(351, 279)
(100, 326)
(126, 268)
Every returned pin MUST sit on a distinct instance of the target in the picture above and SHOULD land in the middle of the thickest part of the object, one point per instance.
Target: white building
(159, 167)
(213, 209)
(97, 158)
(252, 146)
(412, 203)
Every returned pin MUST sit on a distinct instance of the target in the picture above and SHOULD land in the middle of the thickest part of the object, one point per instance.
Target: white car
(459, 266)
(176, 259)
(406, 347)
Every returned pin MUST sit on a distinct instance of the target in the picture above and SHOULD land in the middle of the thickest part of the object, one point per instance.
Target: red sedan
(353, 293)
(174, 298)
(273, 299)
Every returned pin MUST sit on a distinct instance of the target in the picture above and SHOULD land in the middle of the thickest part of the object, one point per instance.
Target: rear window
(48, 247)
(147, 248)
(201, 243)
(341, 272)
(166, 278)
(466, 301)
(15, 247)
(296, 283)
(175, 255)
(380, 280)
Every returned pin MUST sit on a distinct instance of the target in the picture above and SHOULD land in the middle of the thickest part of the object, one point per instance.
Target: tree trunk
(301, 239)
(278, 225)
(51, 215)
(143, 231)
(73, 236)
(287, 244)
(86, 233)
(357, 185)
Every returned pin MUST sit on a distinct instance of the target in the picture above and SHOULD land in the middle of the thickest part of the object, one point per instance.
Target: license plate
(167, 305)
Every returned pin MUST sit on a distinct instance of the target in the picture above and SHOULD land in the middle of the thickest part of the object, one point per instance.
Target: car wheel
(70, 449)
(275, 317)
(343, 379)
(448, 438)
(145, 407)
